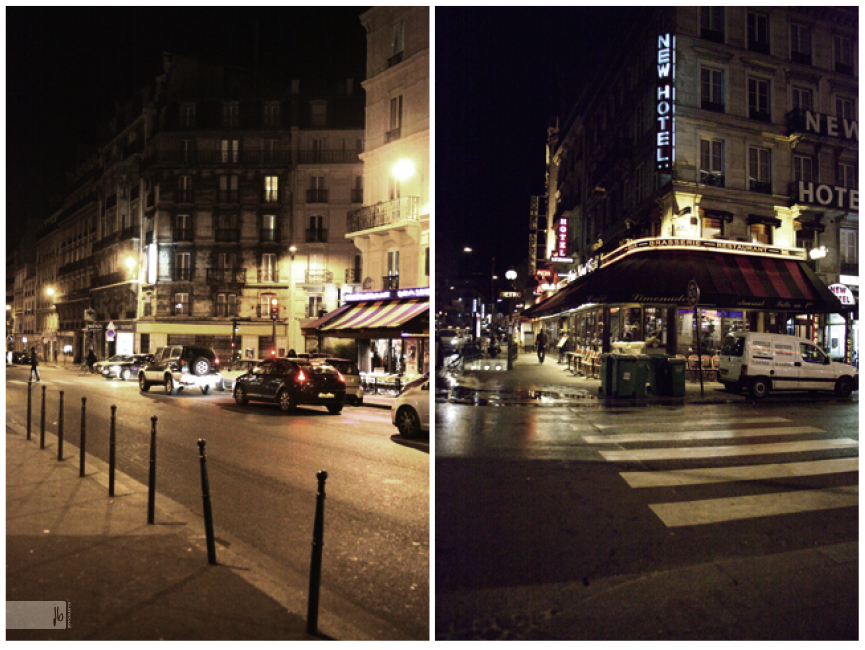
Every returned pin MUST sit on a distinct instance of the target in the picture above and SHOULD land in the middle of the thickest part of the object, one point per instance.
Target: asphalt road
(528, 496)
(262, 467)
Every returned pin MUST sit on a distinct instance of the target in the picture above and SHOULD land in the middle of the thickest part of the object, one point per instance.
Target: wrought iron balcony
(182, 234)
(357, 196)
(393, 134)
(222, 309)
(715, 179)
(763, 187)
(390, 282)
(395, 59)
(184, 196)
(226, 275)
(227, 234)
(316, 196)
(182, 274)
(331, 156)
(316, 235)
(269, 235)
(270, 196)
(268, 275)
(386, 213)
(318, 276)
(109, 278)
(228, 196)
(352, 276)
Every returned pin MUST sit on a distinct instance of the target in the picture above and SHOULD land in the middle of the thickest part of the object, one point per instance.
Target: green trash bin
(676, 375)
(656, 368)
(642, 370)
(608, 365)
(625, 375)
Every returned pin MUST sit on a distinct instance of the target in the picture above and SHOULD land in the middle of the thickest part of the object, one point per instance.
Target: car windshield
(345, 367)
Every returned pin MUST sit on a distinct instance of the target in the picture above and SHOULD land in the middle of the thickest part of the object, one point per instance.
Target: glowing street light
(403, 169)
(130, 263)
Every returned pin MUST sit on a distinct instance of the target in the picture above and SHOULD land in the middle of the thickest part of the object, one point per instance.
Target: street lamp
(292, 250)
(403, 169)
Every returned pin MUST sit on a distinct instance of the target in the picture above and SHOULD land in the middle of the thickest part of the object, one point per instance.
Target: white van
(766, 362)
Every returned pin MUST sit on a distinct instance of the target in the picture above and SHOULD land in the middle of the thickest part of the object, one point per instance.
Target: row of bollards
(318, 525)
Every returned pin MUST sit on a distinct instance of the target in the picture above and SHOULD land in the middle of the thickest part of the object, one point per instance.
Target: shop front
(637, 300)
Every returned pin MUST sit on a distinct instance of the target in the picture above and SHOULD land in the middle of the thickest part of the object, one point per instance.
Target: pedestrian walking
(34, 365)
(91, 359)
(542, 345)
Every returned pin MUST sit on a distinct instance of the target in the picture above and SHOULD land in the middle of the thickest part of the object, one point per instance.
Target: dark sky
(65, 68)
(500, 75)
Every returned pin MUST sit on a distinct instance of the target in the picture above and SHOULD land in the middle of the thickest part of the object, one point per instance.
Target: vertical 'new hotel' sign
(665, 106)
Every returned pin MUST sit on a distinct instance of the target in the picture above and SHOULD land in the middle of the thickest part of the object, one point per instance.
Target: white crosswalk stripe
(731, 508)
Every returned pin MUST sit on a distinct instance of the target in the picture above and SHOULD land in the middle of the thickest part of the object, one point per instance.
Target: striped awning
(377, 315)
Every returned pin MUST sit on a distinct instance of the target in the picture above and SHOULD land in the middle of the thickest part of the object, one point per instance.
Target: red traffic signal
(274, 308)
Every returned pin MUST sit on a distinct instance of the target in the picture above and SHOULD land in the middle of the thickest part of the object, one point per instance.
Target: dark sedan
(290, 382)
(124, 367)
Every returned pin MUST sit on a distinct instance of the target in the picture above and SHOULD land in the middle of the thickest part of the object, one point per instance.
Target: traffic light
(274, 308)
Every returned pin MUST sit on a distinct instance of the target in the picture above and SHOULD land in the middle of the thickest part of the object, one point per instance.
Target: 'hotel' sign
(666, 102)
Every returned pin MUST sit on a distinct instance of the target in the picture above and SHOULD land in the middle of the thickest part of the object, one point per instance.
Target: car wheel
(207, 390)
(335, 408)
(760, 388)
(143, 386)
(201, 366)
(408, 422)
(125, 374)
(170, 386)
(240, 397)
(221, 385)
(285, 402)
(844, 387)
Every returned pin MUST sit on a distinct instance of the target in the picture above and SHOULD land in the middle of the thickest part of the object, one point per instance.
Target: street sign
(509, 294)
(110, 331)
(693, 293)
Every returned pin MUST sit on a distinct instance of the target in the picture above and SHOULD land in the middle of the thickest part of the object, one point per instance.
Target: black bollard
(111, 442)
(42, 424)
(151, 490)
(317, 546)
(29, 408)
(208, 515)
(60, 430)
(83, 437)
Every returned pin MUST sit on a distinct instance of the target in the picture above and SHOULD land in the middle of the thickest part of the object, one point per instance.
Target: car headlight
(453, 341)
(114, 368)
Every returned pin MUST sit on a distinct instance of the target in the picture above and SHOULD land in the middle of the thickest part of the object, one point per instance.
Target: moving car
(20, 357)
(99, 366)
(765, 362)
(234, 370)
(126, 368)
(410, 410)
(350, 372)
(290, 382)
(181, 366)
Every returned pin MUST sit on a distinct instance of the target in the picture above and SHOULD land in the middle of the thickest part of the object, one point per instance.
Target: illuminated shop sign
(820, 124)
(566, 260)
(562, 236)
(718, 245)
(828, 196)
(152, 263)
(421, 292)
(844, 294)
(665, 103)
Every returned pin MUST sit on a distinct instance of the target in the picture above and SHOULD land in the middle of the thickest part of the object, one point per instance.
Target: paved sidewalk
(66, 540)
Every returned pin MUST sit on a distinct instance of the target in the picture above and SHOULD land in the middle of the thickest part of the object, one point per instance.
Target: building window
(357, 190)
(391, 281)
(318, 113)
(393, 188)
(843, 55)
(847, 177)
(712, 24)
(271, 115)
(849, 247)
(184, 189)
(640, 184)
(181, 304)
(758, 100)
(803, 168)
(271, 189)
(226, 304)
(317, 192)
(394, 120)
(229, 189)
(800, 44)
(183, 227)
(230, 114)
(314, 307)
(268, 267)
(230, 150)
(226, 228)
(187, 151)
(183, 266)
(187, 116)
(712, 228)
(758, 33)
(761, 233)
(844, 109)
(802, 99)
(712, 162)
(759, 170)
(316, 231)
(269, 149)
(268, 228)
(264, 304)
(712, 89)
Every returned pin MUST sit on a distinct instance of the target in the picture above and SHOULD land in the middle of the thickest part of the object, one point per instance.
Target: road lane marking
(700, 435)
(631, 423)
(708, 475)
(709, 511)
(734, 450)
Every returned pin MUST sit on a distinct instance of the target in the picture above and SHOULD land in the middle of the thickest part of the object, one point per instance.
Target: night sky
(500, 75)
(65, 68)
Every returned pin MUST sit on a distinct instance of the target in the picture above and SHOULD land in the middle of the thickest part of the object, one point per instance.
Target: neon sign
(562, 244)
(828, 195)
(665, 108)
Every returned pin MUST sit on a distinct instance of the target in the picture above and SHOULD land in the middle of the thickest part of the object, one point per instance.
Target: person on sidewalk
(34, 365)
(542, 345)
(91, 359)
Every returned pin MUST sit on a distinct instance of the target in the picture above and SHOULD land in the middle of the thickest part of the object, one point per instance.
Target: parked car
(99, 366)
(410, 410)
(762, 363)
(350, 372)
(127, 367)
(451, 342)
(234, 370)
(181, 366)
(290, 382)
(20, 357)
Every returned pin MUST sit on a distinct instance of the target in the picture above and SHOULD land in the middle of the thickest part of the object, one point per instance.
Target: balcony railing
(268, 275)
(352, 276)
(217, 157)
(850, 268)
(331, 156)
(269, 235)
(760, 115)
(715, 179)
(393, 134)
(109, 278)
(227, 234)
(357, 196)
(182, 274)
(183, 234)
(316, 235)
(715, 107)
(390, 282)
(316, 196)
(226, 275)
(800, 57)
(228, 196)
(396, 58)
(184, 196)
(384, 214)
(270, 196)
(224, 309)
(763, 187)
(318, 276)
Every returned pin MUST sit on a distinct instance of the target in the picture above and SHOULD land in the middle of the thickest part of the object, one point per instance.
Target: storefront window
(655, 330)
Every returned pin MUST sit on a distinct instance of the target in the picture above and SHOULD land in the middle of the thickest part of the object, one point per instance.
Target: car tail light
(300, 376)
(340, 377)
(215, 361)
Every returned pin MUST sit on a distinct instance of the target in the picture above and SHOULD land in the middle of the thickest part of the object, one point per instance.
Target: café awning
(726, 281)
(374, 319)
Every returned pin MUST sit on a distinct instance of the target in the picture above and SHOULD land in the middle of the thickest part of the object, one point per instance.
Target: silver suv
(181, 366)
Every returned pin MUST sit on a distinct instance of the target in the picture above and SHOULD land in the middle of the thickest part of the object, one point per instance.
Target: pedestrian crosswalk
(692, 461)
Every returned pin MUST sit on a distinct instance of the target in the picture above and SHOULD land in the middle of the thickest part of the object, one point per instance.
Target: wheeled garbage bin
(676, 375)
(656, 364)
(607, 373)
(624, 375)
(642, 375)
